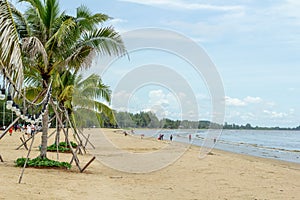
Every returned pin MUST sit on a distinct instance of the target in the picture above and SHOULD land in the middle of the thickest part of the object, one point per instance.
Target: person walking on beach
(28, 130)
(32, 129)
(10, 130)
(190, 137)
(171, 137)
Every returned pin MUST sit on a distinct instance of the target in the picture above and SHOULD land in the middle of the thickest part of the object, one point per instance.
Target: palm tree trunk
(67, 132)
(44, 135)
(58, 129)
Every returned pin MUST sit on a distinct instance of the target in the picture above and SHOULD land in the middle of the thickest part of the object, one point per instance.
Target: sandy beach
(221, 175)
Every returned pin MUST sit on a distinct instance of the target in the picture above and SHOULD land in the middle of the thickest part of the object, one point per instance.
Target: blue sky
(255, 46)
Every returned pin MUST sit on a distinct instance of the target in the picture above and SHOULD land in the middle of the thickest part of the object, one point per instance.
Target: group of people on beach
(161, 137)
(28, 129)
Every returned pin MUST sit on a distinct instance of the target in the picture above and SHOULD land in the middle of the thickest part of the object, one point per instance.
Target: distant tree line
(249, 127)
(150, 120)
(88, 119)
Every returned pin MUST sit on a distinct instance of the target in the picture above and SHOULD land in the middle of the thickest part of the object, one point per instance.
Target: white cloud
(176, 4)
(119, 100)
(242, 102)
(117, 21)
(274, 114)
(249, 99)
(271, 104)
(158, 97)
(234, 101)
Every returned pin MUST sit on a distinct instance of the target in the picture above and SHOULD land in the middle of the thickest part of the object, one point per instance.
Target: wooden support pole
(7, 129)
(87, 164)
(51, 134)
(79, 150)
(21, 176)
(23, 137)
(66, 135)
(52, 119)
(24, 143)
(73, 157)
(75, 132)
(86, 139)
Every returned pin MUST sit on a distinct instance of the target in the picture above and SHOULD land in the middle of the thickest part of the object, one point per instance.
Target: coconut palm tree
(90, 94)
(75, 93)
(78, 95)
(48, 41)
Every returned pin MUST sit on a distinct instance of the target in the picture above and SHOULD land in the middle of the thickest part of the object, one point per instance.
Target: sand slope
(222, 175)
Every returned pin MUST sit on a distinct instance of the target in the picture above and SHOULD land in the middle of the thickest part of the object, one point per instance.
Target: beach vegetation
(42, 163)
(62, 147)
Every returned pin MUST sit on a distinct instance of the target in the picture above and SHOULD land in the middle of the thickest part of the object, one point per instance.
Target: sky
(254, 45)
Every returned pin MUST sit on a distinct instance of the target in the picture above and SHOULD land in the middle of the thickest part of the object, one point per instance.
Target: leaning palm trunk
(45, 120)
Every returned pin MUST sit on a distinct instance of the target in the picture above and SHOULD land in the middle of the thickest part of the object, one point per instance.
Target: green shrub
(62, 147)
(38, 162)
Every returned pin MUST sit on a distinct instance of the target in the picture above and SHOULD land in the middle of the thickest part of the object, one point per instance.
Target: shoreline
(222, 175)
(240, 147)
(222, 151)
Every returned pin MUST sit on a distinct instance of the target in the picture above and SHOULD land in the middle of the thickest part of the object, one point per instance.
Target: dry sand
(221, 175)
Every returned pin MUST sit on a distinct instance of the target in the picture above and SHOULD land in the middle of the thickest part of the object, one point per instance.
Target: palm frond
(21, 21)
(51, 14)
(106, 41)
(35, 4)
(34, 47)
(92, 87)
(61, 35)
(87, 21)
(81, 57)
(103, 109)
(10, 49)
(32, 77)
(33, 92)
(66, 93)
(35, 22)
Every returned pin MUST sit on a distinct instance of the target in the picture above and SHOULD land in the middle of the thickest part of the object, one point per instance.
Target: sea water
(275, 144)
